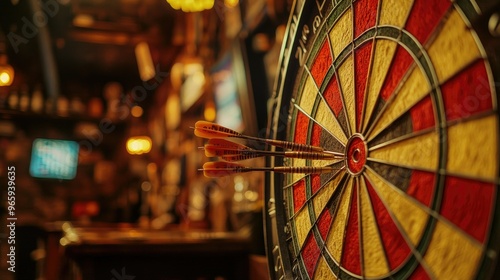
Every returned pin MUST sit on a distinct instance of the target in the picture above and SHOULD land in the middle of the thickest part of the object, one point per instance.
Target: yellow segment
(374, 261)
(341, 33)
(381, 60)
(472, 148)
(410, 216)
(325, 162)
(327, 119)
(453, 48)
(325, 193)
(452, 255)
(412, 91)
(323, 271)
(302, 225)
(335, 239)
(419, 152)
(309, 93)
(346, 79)
(394, 12)
(297, 162)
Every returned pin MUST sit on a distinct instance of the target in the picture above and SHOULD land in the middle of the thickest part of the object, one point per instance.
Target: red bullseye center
(356, 154)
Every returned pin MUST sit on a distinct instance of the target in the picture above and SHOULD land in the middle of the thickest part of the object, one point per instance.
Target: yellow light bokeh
(6, 76)
(191, 5)
(139, 145)
(231, 3)
(209, 113)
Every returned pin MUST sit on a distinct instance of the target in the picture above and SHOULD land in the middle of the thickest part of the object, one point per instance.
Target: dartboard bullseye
(356, 153)
(406, 91)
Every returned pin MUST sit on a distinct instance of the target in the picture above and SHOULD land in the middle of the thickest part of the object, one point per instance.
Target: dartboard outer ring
(324, 41)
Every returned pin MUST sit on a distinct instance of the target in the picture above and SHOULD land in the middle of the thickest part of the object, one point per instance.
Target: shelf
(15, 115)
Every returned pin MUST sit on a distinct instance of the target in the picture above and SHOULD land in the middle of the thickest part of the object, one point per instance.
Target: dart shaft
(221, 172)
(249, 154)
(222, 132)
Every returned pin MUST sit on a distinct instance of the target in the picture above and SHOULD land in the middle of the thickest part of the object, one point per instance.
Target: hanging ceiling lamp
(191, 5)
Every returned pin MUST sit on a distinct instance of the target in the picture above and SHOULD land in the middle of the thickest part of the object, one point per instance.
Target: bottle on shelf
(62, 106)
(13, 99)
(24, 98)
(37, 100)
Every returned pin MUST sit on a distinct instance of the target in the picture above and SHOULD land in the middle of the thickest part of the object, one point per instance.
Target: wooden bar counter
(133, 253)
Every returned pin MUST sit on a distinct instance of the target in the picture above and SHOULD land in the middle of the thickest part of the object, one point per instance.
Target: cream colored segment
(327, 119)
(302, 225)
(454, 47)
(297, 162)
(412, 91)
(341, 33)
(325, 193)
(418, 152)
(394, 12)
(346, 78)
(323, 271)
(451, 254)
(381, 61)
(308, 97)
(473, 148)
(335, 239)
(374, 260)
(319, 163)
(408, 213)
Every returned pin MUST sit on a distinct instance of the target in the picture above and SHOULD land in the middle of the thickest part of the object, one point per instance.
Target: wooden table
(107, 253)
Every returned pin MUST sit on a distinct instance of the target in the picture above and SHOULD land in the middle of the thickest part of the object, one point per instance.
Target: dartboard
(406, 91)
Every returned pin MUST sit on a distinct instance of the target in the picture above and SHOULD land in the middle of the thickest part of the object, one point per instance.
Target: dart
(210, 130)
(221, 169)
(230, 151)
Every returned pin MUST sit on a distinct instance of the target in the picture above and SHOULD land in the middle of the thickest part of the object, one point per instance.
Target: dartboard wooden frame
(406, 89)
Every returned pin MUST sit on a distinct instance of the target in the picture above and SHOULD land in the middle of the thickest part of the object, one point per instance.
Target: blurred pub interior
(97, 104)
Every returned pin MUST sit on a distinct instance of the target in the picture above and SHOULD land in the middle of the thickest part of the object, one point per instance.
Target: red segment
(365, 15)
(301, 125)
(467, 93)
(310, 254)
(315, 183)
(324, 223)
(362, 58)
(468, 204)
(422, 114)
(395, 245)
(322, 62)
(422, 186)
(316, 135)
(350, 253)
(299, 195)
(419, 274)
(400, 64)
(425, 17)
(332, 96)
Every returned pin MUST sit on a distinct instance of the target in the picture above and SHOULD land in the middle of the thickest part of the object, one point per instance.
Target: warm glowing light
(144, 61)
(191, 5)
(6, 72)
(209, 112)
(5, 78)
(139, 145)
(137, 111)
(231, 3)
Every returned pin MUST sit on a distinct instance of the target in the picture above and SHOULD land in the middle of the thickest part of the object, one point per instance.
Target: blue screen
(54, 159)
